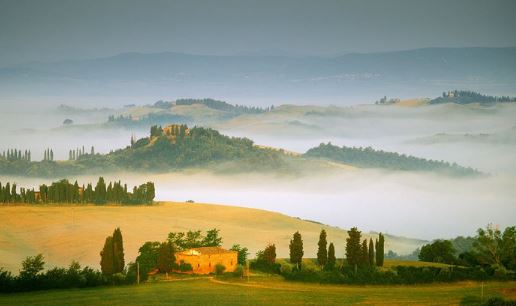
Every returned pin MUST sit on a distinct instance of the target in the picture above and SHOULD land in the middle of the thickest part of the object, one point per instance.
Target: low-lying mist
(415, 205)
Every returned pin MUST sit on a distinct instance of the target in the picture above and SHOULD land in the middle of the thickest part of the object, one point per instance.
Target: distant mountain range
(360, 77)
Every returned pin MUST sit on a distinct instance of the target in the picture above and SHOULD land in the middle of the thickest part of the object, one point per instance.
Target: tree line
(76, 153)
(371, 158)
(491, 249)
(15, 154)
(65, 192)
(359, 253)
(468, 96)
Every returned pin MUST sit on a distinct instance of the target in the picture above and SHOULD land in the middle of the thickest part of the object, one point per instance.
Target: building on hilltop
(204, 259)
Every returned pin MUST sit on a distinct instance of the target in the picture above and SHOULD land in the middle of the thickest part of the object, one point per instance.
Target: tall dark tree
(166, 258)
(322, 252)
(106, 257)
(380, 250)
(296, 249)
(332, 260)
(118, 252)
(353, 248)
(371, 252)
(364, 254)
(100, 191)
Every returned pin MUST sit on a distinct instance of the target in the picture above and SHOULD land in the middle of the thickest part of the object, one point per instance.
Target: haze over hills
(269, 79)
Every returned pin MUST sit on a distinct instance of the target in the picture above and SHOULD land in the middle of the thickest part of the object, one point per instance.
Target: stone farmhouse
(204, 259)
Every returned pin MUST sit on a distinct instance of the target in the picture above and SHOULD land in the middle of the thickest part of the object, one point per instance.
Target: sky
(55, 30)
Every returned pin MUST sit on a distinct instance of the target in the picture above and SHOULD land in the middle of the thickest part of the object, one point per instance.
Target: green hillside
(370, 158)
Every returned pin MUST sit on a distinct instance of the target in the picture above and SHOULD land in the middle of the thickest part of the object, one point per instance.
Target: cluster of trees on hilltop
(146, 120)
(15, 154)
(79, 152)
(224, 106)
(65, 192)
(370, 158)
(201, 146)
(466, 97)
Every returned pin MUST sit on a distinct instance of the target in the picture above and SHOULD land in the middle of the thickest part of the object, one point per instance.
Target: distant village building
(203, 260)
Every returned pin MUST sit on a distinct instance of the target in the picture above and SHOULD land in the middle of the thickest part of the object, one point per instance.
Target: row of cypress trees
(359, 253)
(65, 192)
(15, 154)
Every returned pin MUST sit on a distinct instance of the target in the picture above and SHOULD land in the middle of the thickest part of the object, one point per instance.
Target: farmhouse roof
(206, 251)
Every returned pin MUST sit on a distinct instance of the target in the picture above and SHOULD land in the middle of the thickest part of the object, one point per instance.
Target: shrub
(118, 278)
(219, 269)
(184, 266)
(239, 271)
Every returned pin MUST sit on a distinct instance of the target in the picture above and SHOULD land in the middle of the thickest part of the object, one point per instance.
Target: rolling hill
(350, 76)
(66, 233)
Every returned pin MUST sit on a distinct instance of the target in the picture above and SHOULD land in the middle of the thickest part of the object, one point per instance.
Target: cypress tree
(353, 249)
(106, 257)
(100, 191)
(371, 252)
(118, 252)
(380, 250)
(166, 258)
(364, 254)
(332, 260)
(296, 249)
(322, 253)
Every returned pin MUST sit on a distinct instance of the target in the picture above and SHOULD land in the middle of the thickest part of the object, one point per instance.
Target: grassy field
(264, 290)
(66, 233)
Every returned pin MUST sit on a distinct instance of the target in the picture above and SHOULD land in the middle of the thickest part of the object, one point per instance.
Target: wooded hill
(180, 148)
(370, 158)
(467, 97)
(159, 153)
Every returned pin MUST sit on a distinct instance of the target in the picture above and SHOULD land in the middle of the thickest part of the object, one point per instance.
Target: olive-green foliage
(166, 260)
(296, 249)
(370, 158)
(322, 252)
(438, 251)
(243, 252)
(195, 239)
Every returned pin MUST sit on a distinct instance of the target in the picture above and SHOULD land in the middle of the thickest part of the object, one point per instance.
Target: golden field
(66, 233)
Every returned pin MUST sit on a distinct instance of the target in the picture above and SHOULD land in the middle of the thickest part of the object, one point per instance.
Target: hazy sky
(54, 30)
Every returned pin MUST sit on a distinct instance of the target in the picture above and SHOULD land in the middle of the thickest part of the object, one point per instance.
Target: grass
(264, 290)
(66, 233)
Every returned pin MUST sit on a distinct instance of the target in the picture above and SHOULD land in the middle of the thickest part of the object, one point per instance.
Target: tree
(269, 254)
(118, 252)
(106, 257)
(148, 257)
(353, 248)
(332, 260)
(438, 251)
(322, 253)
(494, 248)
(296, 249)
(212, 238)
(380, 250)
(242, 253)
(32, 266)
(100, 191)
(364, 254)
(166, 258)
(371, 252)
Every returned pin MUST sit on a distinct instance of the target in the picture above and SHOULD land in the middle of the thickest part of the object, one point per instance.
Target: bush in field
(184, 266)
(219, 269)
